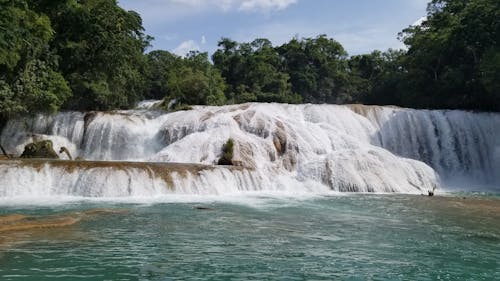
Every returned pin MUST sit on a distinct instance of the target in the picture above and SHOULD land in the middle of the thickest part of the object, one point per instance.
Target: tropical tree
(100, 47)
(187, 80)
(317, 67)
(254, 72)
(452, 56)
(29, 81)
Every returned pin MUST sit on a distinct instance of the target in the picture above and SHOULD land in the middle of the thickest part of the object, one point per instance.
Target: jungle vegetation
(93, 55)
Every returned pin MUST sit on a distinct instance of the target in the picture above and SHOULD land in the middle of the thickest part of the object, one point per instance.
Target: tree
(449, 53)
(378, 77)
(228, 60)
(100, 47)
(160, 63)
(489, 70)
(189, 80)
(317, 67)
(254, 72)
(214, 87)
(29, 80)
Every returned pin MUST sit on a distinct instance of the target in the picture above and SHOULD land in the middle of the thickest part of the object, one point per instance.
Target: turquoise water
(354, 237)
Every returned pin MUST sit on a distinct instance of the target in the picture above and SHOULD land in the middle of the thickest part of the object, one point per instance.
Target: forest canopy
(92, 55)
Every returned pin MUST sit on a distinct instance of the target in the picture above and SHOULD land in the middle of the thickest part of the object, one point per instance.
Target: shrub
(227, 153)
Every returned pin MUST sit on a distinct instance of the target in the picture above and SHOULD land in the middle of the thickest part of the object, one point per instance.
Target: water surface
(353, 237)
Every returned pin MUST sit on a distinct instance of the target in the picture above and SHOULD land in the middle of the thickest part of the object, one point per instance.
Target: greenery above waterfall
(91, 55)
(453, 58)
(189, 80)
(29, 76)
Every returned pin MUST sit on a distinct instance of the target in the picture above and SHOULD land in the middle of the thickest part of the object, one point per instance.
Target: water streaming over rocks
(289, 148)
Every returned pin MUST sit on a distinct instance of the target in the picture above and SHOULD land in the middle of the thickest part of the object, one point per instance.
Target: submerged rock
(40, 149)
(19, 222)
(204, 208)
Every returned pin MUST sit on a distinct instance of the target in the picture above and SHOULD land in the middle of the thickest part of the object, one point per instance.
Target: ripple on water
(346, 237)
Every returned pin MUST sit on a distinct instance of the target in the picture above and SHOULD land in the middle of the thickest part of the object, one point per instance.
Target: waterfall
(280, 147)
(42, 178)
(460, 146)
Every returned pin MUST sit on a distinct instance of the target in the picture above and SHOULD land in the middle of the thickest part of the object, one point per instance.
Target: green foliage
(29, 81)
(160, 63)
(101, 47)
(8, 105)
(40, 89)
(41, 149)
(24, 34)
(254, 72)
(310, 69)
(89, 55)
(452, 61)
(317, 67)
(489, 70)
(376, 78)
(189, 80)
(451, 57)
(227, 153)
(182, 107)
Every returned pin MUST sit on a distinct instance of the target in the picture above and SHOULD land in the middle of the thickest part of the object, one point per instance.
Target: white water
(460, 146)
(288, 148)
(148, 104)
(25, 180)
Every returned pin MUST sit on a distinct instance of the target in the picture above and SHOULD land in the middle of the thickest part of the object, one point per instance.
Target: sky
(361, 26)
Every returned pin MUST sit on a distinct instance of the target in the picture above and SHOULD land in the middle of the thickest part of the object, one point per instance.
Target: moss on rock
(41, 149)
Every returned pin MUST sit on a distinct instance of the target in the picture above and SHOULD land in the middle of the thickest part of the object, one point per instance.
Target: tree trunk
(65, 150)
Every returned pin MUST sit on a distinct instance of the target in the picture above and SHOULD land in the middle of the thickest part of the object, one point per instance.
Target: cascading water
(463, 147)
(288, 148)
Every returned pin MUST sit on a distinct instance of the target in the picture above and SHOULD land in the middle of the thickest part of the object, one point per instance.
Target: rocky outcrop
(40, 149)
(279, 139)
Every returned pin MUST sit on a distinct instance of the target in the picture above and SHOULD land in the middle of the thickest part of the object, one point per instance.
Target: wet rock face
(41, 149)
(280, 139)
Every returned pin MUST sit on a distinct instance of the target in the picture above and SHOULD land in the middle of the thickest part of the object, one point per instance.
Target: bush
(182, 107)
(41, 149)
(227, 153)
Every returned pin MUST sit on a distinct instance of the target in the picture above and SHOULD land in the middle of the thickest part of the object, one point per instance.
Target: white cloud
(203, 5)
(355, 39)
(419, 21)
(265, 5)
(185, 47)
(190, 45)
(157, 12)
(221, 4)
(174, 21)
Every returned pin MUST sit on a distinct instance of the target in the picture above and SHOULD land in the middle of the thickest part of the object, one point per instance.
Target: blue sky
(359, 25)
